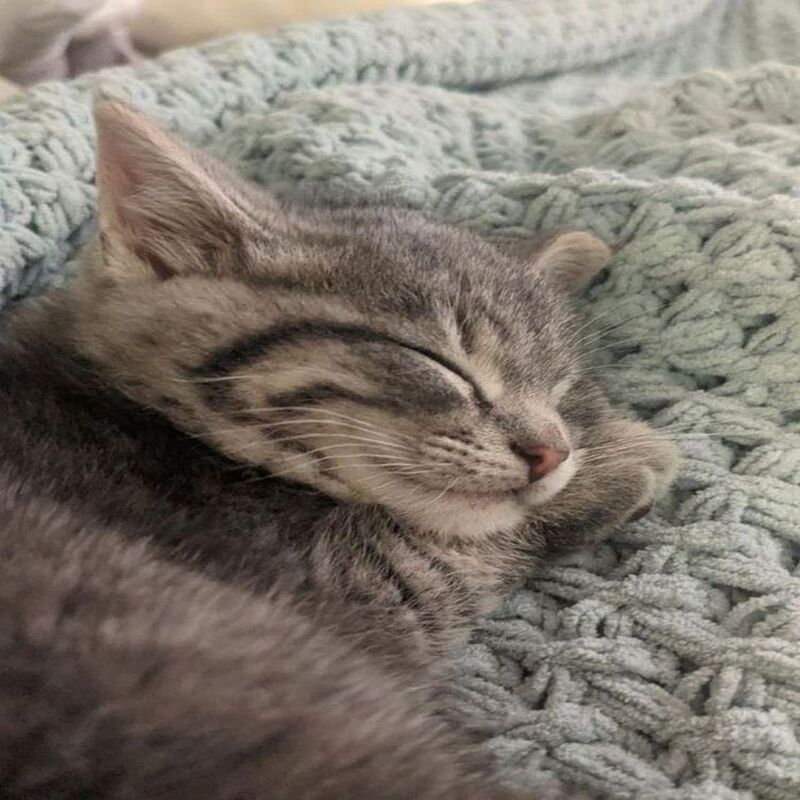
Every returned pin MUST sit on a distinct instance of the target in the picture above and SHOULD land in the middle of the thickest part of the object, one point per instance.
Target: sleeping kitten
(260, 468)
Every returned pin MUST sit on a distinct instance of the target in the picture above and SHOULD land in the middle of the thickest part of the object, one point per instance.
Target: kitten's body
(174, 622)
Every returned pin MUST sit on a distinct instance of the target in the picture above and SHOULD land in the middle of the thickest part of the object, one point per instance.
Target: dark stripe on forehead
(408, 400)
(249, 349)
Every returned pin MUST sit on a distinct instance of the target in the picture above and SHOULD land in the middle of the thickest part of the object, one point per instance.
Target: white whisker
(594, 336)
(268, 426)
(619, 343)
(356, 440)
(217, 379)
(330, 413)
(439, 496)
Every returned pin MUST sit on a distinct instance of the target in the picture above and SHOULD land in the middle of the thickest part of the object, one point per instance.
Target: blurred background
(57, 39)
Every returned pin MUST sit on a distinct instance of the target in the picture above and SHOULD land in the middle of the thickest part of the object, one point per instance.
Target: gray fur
(177, 621)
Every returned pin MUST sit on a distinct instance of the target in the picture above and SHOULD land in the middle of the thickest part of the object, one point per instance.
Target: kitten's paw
(653, 456)
(620, 475)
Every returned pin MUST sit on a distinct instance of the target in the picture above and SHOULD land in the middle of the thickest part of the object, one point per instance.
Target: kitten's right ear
(567, 260)
(570, 260)
(164, 207)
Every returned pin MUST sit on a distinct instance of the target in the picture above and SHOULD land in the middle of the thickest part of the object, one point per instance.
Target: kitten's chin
(458, 516)
(468, 520)
(451, 514)
(474, 515)
(464, 517)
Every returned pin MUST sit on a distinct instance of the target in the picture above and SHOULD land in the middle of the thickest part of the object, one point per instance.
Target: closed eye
(478, 394)
(250, 349)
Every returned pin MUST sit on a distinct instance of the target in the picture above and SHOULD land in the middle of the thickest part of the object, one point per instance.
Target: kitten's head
(372, 354)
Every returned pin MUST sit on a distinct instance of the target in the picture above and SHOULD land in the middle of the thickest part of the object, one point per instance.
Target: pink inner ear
(122, 166)
(116, 183)
(159, 199)
(121, 176)
(118, 179)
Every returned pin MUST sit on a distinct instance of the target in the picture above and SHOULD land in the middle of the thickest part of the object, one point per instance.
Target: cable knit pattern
(665, 665)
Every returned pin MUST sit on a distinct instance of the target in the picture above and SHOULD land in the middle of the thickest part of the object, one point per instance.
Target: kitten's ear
(569, 260)
(173, 208)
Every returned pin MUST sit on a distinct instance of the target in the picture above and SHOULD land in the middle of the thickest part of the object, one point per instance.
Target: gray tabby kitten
(260, 469)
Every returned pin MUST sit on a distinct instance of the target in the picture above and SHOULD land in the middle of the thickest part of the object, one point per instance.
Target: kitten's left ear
(172, 208)
(568, 260)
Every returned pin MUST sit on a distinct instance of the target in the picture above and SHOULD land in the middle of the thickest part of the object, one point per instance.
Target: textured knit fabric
(665, 664)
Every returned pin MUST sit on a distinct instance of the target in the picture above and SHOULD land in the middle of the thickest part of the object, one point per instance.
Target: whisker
(648, 437)
(618, 343)
(439, 496)
(331, 413)
(621, 365)
(267, 426)
(637, 443)
(218, 378)
(668, 429)
(368, 451)
(350, 438)
(594, 336)
(363, 453)
(392, 467)
(603, 314)
(308, 410)
(351, 441)
(383, 485)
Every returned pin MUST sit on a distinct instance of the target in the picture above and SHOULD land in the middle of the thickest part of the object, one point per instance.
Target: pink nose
(542, 460)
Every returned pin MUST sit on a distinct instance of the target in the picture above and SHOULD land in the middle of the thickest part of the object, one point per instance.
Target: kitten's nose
(542, 459)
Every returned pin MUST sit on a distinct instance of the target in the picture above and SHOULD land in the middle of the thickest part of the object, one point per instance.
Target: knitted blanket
(665, 664)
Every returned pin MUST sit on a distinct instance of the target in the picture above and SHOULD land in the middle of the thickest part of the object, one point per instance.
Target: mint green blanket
(666, 664)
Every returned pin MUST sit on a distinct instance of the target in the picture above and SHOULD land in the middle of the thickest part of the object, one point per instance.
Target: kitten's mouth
(460, 513)
(531, 494)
